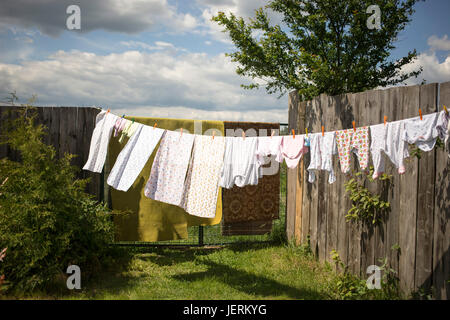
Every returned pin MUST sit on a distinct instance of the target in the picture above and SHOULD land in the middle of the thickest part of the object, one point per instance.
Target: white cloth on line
(322, 149)
(133, 157)
(168, 173)
(422, 132)
(104, 124)
(268, 146)
(202, 182)
(240, 165)
(388, 139)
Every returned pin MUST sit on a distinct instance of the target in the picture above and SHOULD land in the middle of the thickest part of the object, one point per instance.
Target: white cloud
(241, 8)
(437, 43)
(433, 69)
(171, 84)
(125, 16)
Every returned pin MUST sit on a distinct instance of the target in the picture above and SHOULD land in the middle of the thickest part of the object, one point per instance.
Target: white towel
(133, 157)
(104, 124)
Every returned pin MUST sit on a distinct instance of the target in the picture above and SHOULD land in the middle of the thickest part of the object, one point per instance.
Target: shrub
(47, 220)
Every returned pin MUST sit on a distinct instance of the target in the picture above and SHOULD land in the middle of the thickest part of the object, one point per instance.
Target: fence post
(200, 236)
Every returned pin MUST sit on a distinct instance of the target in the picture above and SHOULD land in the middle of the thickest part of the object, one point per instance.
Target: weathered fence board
(68, 130)
(415, 235)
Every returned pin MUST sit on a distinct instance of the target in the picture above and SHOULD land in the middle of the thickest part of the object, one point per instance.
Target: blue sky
(162, 58)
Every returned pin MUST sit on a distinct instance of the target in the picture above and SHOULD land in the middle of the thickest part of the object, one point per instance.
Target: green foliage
(47, 221)
(367, 207)
(321, 46)
(350, 287)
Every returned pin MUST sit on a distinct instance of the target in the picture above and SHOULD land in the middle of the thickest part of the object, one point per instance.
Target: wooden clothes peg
(181, 132)
(243, 134)
(273, 132)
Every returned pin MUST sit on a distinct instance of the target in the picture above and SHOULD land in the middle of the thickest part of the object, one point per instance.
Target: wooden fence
(420, 199)
(69, 130)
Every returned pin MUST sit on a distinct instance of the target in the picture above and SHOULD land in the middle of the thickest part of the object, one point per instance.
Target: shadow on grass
(249, 283)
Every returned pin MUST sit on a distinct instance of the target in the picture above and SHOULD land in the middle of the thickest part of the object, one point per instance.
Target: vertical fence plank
(408, 196)
(425, 199)
(441, 230)
(292, 173)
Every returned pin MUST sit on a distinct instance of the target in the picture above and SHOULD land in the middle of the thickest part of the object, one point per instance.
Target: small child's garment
(422, 133)
(322, 149)
(129, 129)
(443, 127)
(167, 177)
(353, 140)
(268, 146)
(133, 157)
(202, 183)
(388, 139)
(292, 150)
(240, 166)
(104, 124)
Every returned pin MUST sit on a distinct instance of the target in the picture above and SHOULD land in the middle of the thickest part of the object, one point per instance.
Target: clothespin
(123, 116)
(132, 120)
(306, 130)
(445, 109)
(108, 110)
(273, 132)
(293, 133)
(420, 113)
(385, 120)
(214, 132)
(154, 126)
(354, 125)
(181, 132)
(243, 134)
(323, 131)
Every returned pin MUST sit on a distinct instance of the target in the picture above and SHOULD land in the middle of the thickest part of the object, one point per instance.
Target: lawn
(258, 271)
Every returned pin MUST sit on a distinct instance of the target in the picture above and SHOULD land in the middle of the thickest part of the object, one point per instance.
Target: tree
(322, 46)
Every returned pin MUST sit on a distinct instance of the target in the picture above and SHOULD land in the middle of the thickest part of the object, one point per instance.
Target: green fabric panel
(149, 220)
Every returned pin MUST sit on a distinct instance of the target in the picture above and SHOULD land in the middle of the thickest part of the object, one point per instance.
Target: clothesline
(188, 169)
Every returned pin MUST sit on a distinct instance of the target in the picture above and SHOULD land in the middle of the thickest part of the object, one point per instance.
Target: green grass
(258, 271)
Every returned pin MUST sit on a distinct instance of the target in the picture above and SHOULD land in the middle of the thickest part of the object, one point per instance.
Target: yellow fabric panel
(152, 220)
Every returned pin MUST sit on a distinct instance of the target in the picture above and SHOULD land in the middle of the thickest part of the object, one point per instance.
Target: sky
(163, 58)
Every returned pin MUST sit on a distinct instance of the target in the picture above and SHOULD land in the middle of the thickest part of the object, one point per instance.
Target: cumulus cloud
(240, 8)
(125, 16)
(433, 69)
(176, 85)
(437, 43)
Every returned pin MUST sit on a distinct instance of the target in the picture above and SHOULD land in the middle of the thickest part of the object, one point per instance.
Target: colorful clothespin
(132, 120)
(181, 132)
(154, 126)
(445, 109)
(323, 131)
(123, 116)
(420, 113)
(273, 132)
(243, 134)
(108, 110)
(354, 125)
(385, 120)
(306, 130)
(214, 132)
(293, 133)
